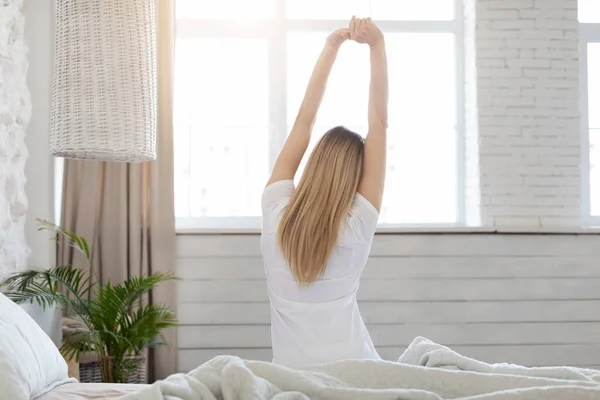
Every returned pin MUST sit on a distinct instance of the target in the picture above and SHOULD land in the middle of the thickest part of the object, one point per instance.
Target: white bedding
(30, 363)
(426, 371)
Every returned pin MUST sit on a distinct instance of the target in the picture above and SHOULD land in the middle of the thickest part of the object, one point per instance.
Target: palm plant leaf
(115, 323)
(146, 323)
(42, 287)
(106, 318)
(40, 295)
(77, 242)
(135, 287)
(116, 313)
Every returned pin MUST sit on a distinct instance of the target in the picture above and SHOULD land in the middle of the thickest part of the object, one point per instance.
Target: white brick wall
(528, 116)
(15, 110)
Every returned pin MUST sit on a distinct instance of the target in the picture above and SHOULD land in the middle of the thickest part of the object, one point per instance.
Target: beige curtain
(126, 211)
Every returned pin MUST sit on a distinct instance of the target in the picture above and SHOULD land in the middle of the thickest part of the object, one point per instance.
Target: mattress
(88, 391)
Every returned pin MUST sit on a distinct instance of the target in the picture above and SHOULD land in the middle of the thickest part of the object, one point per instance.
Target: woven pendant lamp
(104, 84)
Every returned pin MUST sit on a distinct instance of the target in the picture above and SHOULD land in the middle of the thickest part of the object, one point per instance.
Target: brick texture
(15, 111)
(527, 130)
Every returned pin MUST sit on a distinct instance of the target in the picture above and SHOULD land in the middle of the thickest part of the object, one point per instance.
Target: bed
(425, 371)
(89, 391)
(32, 367)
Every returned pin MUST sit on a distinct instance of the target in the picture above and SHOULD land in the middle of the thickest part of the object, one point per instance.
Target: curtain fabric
(126, 211)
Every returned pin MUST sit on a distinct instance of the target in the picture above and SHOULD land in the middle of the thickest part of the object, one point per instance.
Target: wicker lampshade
(104, 88)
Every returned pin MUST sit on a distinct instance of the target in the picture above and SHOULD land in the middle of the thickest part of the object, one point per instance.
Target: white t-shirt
(319, 323)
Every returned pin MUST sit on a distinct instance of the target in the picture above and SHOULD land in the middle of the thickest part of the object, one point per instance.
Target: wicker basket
(104, 89)
(91, 372)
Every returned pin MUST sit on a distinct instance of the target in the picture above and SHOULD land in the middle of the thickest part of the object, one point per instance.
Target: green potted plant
(111, 320)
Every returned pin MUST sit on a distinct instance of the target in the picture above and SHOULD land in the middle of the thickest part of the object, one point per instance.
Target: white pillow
(30, 363)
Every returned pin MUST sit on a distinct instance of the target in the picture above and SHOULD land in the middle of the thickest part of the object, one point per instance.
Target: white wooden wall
(531, 299)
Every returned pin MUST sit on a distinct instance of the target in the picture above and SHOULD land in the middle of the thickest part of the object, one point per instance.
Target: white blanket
(426, 371)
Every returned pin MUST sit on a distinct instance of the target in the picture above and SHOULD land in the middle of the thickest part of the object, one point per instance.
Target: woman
(316, 238)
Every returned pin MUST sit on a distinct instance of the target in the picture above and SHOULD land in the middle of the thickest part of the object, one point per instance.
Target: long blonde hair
(308, 231)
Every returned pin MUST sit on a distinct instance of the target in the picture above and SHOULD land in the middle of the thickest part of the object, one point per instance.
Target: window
(241, 69)
(589, 17)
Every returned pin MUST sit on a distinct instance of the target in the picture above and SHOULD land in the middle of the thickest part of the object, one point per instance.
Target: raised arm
(374, 165)
(297, 142)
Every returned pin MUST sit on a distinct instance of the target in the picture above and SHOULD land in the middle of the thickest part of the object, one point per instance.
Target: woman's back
(319, 322)
(317, 237)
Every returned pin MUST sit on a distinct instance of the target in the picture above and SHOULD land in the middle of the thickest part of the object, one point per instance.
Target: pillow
(30, 363)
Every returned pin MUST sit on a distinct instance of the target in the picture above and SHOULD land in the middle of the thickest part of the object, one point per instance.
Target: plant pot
(90, 370)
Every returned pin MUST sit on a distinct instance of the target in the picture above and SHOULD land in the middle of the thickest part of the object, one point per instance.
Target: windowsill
(424, 230)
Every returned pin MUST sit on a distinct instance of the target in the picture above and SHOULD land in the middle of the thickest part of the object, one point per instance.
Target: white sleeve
(274, 200)
(363, 218)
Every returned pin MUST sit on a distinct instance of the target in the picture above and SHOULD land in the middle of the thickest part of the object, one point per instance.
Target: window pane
(326, 9)
(589, 11)
(421, 176)
(221, 126)
(224, 9)
(228, 171)
(408, 10)
(421, 179)
(345, 100)
(593, 56)
(411, 10)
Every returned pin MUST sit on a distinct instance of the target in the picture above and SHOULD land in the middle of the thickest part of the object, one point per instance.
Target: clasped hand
(361, 30)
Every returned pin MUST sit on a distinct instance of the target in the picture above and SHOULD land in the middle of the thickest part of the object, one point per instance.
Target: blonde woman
(316, 238)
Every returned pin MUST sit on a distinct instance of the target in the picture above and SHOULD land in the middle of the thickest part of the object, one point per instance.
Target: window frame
(588, 33)
(275, 31)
